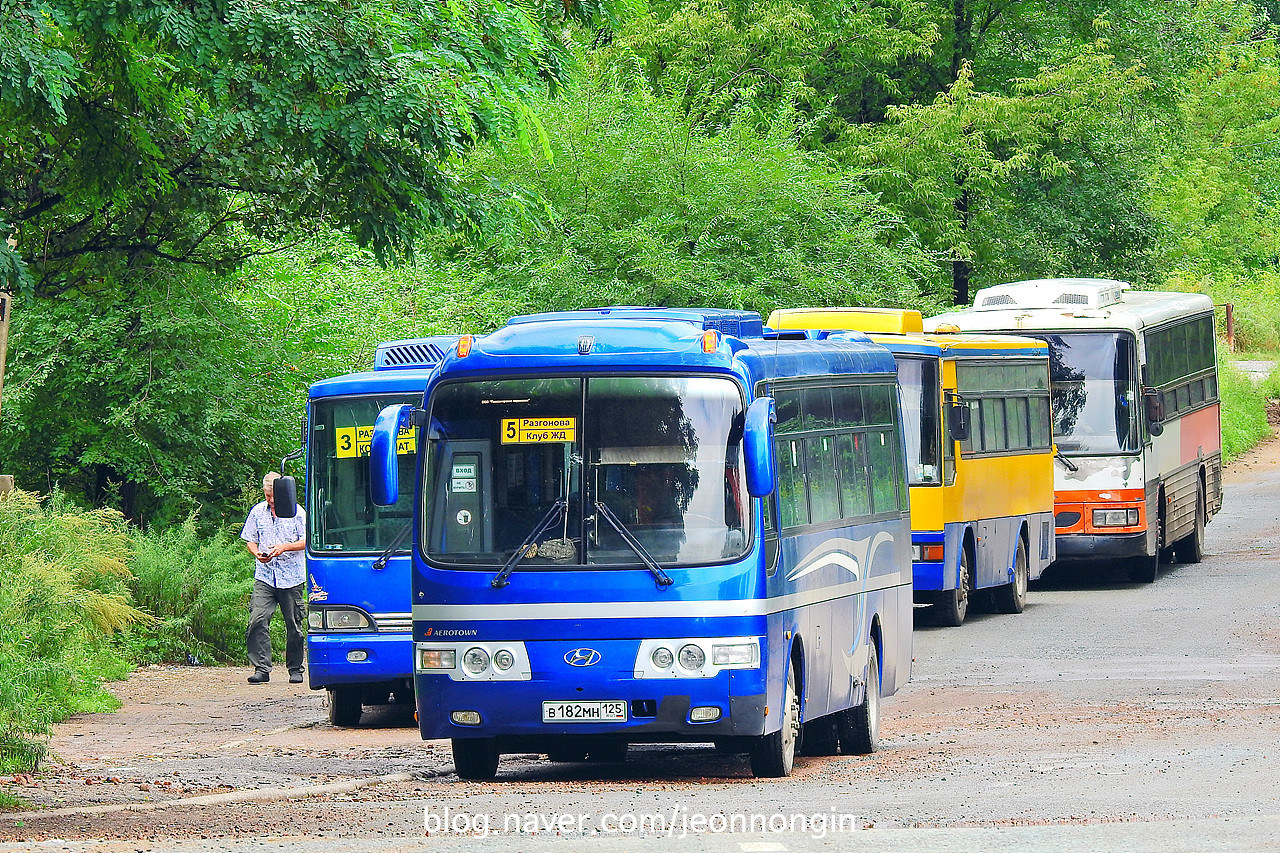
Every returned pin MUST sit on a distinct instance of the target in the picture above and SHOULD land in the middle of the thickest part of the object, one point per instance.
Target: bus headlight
(437, 659)
(475, 661)
(692, 657)
(662, 657)
(1115, 517)
(737, 654)
(503, 660)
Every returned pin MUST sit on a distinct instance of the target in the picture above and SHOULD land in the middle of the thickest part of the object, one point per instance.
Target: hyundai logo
(582, 657)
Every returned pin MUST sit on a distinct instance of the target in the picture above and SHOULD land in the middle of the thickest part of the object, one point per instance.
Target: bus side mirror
(384, 467)
(1153, 405)
(285, 497)
(757, 447)
(959, 421)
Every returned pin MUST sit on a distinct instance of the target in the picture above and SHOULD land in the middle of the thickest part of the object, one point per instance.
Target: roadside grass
(1244, 408)
(84, 599)
(62, 598)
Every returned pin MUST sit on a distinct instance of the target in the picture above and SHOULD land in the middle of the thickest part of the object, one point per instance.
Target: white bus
(1136, 416)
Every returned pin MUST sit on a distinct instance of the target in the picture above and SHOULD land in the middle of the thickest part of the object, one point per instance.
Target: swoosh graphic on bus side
(829, 558)
(650, 609)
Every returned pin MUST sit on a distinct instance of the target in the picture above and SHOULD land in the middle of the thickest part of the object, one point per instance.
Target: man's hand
(265, 554)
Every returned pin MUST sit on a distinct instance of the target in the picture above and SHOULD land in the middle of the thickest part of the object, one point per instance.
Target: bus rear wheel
(475, 759)
(1190, 548)
(953, 605)
(773, 755)
(345, 705)
(860, 728)
(1012, 597)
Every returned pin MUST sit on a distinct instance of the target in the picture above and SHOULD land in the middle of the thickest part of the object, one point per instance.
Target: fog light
(503, 660)
(315, 620)
(357, 656)
(662, 657)
(705, 714)
(465, 718)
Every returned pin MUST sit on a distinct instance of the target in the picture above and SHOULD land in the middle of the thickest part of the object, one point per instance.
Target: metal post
(5, 302)
(1231, 329)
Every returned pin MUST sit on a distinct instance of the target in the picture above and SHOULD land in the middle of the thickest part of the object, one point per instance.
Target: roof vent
(1071, 299)
(999, 299)
(422, 352)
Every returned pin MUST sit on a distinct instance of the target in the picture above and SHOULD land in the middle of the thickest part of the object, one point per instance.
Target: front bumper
(389, 657)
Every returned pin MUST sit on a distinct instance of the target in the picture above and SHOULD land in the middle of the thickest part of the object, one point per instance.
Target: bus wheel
(475, 759)
(1012, 597)
(345, 705)
(860, 728)
(773, 755)
(821, 736)
(1145, 568)
(1190, 548)
(953, 605)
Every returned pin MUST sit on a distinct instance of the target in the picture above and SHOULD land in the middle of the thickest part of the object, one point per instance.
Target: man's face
(269, 492)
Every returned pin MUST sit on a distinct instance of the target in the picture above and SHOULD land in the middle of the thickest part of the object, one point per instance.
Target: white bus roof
(1070, 303)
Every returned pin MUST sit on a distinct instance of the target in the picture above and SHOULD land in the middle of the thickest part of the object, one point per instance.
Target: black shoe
(260, 677)
(295, 677)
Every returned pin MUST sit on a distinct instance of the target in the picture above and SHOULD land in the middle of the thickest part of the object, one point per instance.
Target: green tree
(138, 133)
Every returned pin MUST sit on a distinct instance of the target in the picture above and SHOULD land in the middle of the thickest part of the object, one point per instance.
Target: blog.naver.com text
(674, 822)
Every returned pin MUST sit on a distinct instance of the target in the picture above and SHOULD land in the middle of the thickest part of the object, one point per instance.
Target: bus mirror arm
(959, 420)
(1153, 406)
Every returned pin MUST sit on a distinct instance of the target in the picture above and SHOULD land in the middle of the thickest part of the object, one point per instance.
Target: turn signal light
(464, 345)
(710, 340)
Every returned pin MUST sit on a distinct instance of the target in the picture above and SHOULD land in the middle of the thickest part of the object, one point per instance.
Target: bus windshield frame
(920, 384)
(661, 451)
(341, 515)
(1095, 390)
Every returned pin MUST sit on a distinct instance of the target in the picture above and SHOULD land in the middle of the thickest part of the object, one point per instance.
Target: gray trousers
(262, 606)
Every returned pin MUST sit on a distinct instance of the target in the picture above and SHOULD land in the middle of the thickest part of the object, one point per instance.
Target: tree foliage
(136, 133)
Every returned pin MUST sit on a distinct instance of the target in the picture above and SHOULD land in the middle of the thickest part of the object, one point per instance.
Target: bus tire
(773, 755)
(1190, 548)
(1012, 597)
(475, 759)
(821, 737)
(1144, 569)
(345, 705)
(860, 733)
(953, 605)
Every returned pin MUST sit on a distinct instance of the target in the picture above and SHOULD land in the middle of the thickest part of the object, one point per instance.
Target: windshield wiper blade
(500, 579)
(1070, 466)
(381, 562)
(659, 576)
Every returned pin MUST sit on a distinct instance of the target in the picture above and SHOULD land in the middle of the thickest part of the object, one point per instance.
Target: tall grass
(63, 593)
(1244, 414)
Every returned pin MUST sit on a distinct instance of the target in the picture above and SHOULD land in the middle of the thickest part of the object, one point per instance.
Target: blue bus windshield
(662, 453)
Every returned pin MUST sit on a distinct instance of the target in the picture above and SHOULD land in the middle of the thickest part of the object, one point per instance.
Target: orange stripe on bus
(1099, 496)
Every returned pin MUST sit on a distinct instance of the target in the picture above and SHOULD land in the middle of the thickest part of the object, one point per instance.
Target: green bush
(63, 595)
(197, 588)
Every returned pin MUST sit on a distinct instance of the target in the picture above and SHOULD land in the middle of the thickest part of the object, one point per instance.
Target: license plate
(584, 712)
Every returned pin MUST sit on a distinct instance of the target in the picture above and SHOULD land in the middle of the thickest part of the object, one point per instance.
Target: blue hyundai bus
(655, 525)
(359, 645)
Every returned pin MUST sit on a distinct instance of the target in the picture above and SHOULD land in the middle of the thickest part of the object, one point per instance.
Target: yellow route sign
(354, 441)
(538, 430)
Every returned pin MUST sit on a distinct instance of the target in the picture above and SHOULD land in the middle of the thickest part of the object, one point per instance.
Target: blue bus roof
(638, 339)
(739, 324)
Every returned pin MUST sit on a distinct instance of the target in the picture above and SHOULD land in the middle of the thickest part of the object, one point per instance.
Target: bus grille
(393, 622)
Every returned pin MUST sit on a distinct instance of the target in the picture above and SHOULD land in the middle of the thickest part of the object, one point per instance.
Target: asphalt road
(1107, 716)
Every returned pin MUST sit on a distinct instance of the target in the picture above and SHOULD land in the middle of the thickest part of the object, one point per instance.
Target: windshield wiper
(381, 562)
(500, 579)
(1070, 466)
(659, 576)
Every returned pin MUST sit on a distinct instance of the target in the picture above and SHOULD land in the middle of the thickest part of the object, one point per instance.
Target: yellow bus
(979, 445)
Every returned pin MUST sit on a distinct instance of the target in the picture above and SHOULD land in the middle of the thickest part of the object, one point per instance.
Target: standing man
(276, 543)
